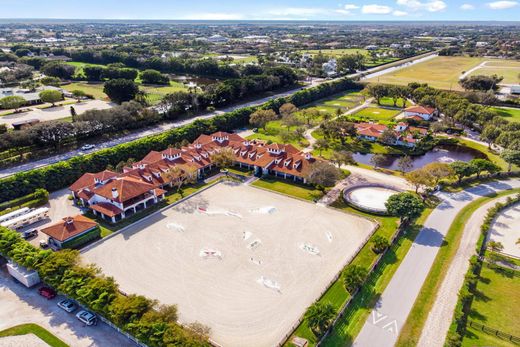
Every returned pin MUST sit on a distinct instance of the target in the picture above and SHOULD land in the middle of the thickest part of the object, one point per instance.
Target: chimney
(69, 220)
(115, 193)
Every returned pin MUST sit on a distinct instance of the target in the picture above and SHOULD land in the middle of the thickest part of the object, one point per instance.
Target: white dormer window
(148, 178)
(308, 156)
(157, 174)
(251, 155)
(277, 161)
(287, 162)
(243, 153)
(141, 166)
(295, 165)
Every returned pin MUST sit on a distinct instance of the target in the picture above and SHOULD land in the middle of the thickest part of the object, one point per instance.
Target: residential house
(71, 232)
(425, 112)
(404, 135)
(115, 196)
(330, 68)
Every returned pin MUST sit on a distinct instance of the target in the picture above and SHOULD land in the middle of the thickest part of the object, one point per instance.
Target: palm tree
(319, 317)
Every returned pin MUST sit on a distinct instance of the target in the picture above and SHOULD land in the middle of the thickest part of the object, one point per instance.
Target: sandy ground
(160, 258)
(29, 340)
(506, 230)
(19, 305)
(441, 314)
(57, 112)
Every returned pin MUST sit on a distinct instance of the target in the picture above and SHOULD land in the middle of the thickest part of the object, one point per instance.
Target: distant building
(371, 47)
(217, 39)
(32, 97)
(515, 89)
(481, 44)
(330, 68)
(404, 135)
(426, 113)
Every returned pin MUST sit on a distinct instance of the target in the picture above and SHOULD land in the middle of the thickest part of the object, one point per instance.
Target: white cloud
(376, 9)
(467, 7)
(345, 12)
(430, 5)
(398, 13)
(213, 16)
(502, 5)
(349, 7)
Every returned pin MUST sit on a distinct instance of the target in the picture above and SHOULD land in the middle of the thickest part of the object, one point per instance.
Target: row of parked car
(68, 305)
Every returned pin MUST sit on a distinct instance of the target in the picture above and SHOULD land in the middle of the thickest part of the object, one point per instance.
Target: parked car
(27, 234)
(87, 147)
(43, 244)
(87, 317)
(47, 292)
(68, 305)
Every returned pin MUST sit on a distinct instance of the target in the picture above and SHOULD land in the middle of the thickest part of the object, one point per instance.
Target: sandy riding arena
(243, 261)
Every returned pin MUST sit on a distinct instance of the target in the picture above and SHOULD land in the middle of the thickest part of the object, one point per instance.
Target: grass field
(377, 113)
(438, 72)
(511, 114)
(509, 69)
(282, 186)
(154, 93)
(496, 304)
(24, 329)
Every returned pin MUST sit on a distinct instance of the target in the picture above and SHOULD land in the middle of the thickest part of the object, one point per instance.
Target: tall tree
(319, 316)
(260, 118)
(406, 206)
(121, 90)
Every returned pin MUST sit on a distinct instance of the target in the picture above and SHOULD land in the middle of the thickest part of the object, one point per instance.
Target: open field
(260, 236)
(154, 93)
(32, 330)
(439, 72)
(509, 69)
(377, 113)
(511, 114)
(496, 306)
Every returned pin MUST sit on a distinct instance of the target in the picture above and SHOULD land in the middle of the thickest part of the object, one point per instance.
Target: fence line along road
(380, 70)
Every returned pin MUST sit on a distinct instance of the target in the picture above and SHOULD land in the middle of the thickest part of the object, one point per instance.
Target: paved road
(158, 129)
(385, 321)
(53, 113)
(437, 325)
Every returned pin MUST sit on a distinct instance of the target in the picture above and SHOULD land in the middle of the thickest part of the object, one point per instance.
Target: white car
(87, 317)
(68, 305)
(87, 147)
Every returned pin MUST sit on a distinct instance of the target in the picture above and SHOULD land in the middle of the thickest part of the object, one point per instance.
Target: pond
(193, 81)
(441, 154)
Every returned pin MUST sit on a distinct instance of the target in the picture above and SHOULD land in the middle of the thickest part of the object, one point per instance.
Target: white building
(424, 112)
(330, 68)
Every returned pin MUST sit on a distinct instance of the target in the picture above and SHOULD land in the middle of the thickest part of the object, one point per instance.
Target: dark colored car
(47, 292)
(29, 233)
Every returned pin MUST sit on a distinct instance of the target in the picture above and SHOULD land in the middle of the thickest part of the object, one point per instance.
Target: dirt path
(441, 314)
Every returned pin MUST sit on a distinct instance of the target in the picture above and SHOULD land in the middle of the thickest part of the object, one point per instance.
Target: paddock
(244, 261)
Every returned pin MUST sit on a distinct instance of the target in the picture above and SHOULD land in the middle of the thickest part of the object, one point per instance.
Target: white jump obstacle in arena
(269, 283)
(310, 248)
(329, 236)
(175, 226)
(254, 245)
(207, 253)
(202, 210)
(246, 235)
(264, 210)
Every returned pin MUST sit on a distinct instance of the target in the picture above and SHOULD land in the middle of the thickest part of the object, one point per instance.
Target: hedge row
(467, 293)
(38, 198)
(64, 173)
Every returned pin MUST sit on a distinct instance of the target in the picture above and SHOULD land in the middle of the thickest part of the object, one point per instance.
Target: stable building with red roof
(71, 232)
(114, 196)
(424, 112)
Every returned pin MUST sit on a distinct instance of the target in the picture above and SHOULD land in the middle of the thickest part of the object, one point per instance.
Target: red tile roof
(69, 227)
(89, 179)
(106, 209)
(126, 187)
(420, 109)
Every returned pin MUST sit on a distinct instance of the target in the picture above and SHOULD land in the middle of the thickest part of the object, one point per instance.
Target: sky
(501, 10)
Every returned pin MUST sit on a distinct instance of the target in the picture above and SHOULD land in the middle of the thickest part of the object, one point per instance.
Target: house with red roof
(71, 232)
(424, 112)
(114, 196)
(404, 135)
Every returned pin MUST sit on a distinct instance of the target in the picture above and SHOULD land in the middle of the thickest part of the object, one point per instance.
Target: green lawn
(377, 113)
(438, 72)
(477, 338)
(30, 328)
(511, 114)
(80, 65)
(411, 330)
(497, 303)
(387, 101)
(300, 191)
(94, 89)
(484, 149)
(276, 132)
